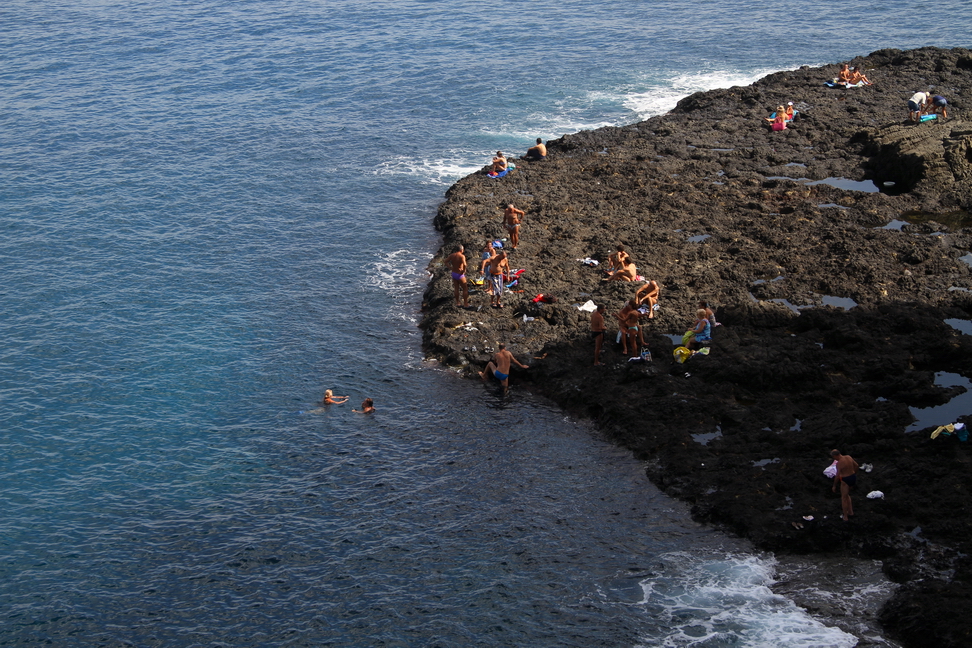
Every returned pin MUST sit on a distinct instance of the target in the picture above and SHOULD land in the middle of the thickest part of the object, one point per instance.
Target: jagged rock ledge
(715, 206)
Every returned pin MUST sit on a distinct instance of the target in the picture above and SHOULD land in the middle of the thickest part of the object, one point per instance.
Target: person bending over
(499, 367)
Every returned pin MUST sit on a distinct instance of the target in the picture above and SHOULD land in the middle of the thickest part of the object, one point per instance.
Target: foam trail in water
(587, 111)
(663, 97)
(443, 170)
(728, 602)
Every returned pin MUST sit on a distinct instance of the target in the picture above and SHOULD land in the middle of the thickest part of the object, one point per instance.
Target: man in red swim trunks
(847, 478)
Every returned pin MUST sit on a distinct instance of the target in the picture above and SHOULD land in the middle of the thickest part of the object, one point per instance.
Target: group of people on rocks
(495, 269)
(925, 103)
(919, 104)
(494, 266)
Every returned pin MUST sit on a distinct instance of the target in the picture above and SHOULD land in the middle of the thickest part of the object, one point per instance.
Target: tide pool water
(212, 211)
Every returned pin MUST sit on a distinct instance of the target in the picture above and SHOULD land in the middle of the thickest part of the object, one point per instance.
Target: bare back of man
(628, 272)
(499, 367)
(457, 264)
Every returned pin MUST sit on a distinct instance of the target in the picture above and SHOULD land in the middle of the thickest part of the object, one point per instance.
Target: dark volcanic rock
(714, 206)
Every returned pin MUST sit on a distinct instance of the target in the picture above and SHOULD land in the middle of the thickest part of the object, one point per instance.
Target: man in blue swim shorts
(457, 263)
(847, 477)
(499, 367)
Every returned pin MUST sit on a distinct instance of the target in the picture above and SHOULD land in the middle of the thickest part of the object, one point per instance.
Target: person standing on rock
(512, 218)
(498, 265)
(499, 367)
(597, 333)
(630, 331)
(488, 253)
(457, 263)
(847, 478)
(916, 105)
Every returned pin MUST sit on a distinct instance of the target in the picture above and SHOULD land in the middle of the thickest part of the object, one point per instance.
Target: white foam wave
(399, 270)
(438, 171)
(662, 97)
(588, 111)
(729, 602)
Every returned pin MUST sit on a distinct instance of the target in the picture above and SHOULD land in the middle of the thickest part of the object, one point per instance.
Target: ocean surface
(213, 211)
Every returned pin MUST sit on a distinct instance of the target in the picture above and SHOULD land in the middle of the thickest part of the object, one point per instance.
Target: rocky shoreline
(833, 297)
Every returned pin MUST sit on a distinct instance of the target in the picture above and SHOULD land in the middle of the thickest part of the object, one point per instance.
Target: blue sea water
(212, 211)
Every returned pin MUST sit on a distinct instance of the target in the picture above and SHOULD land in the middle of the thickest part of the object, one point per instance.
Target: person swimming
(331, 399)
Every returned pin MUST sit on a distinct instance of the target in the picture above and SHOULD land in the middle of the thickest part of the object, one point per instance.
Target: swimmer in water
(331, 399)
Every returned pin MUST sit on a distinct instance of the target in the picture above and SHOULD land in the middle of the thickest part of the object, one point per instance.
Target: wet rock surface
(773, 229)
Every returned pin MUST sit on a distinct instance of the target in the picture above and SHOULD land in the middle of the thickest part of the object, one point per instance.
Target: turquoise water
(213, 211)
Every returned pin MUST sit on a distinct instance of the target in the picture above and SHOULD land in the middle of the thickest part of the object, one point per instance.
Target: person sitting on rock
(789, 111)
(709, 313)
(779, 117)
(537, 152)
(844, 76)
(617, 260)
(647, 296)
(499, 162)
(857, 77)
(628, 272)
(701, 331)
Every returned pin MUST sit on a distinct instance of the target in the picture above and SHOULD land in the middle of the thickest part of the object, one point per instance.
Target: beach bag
(681, 354)
(687, 337)
(831, 470)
